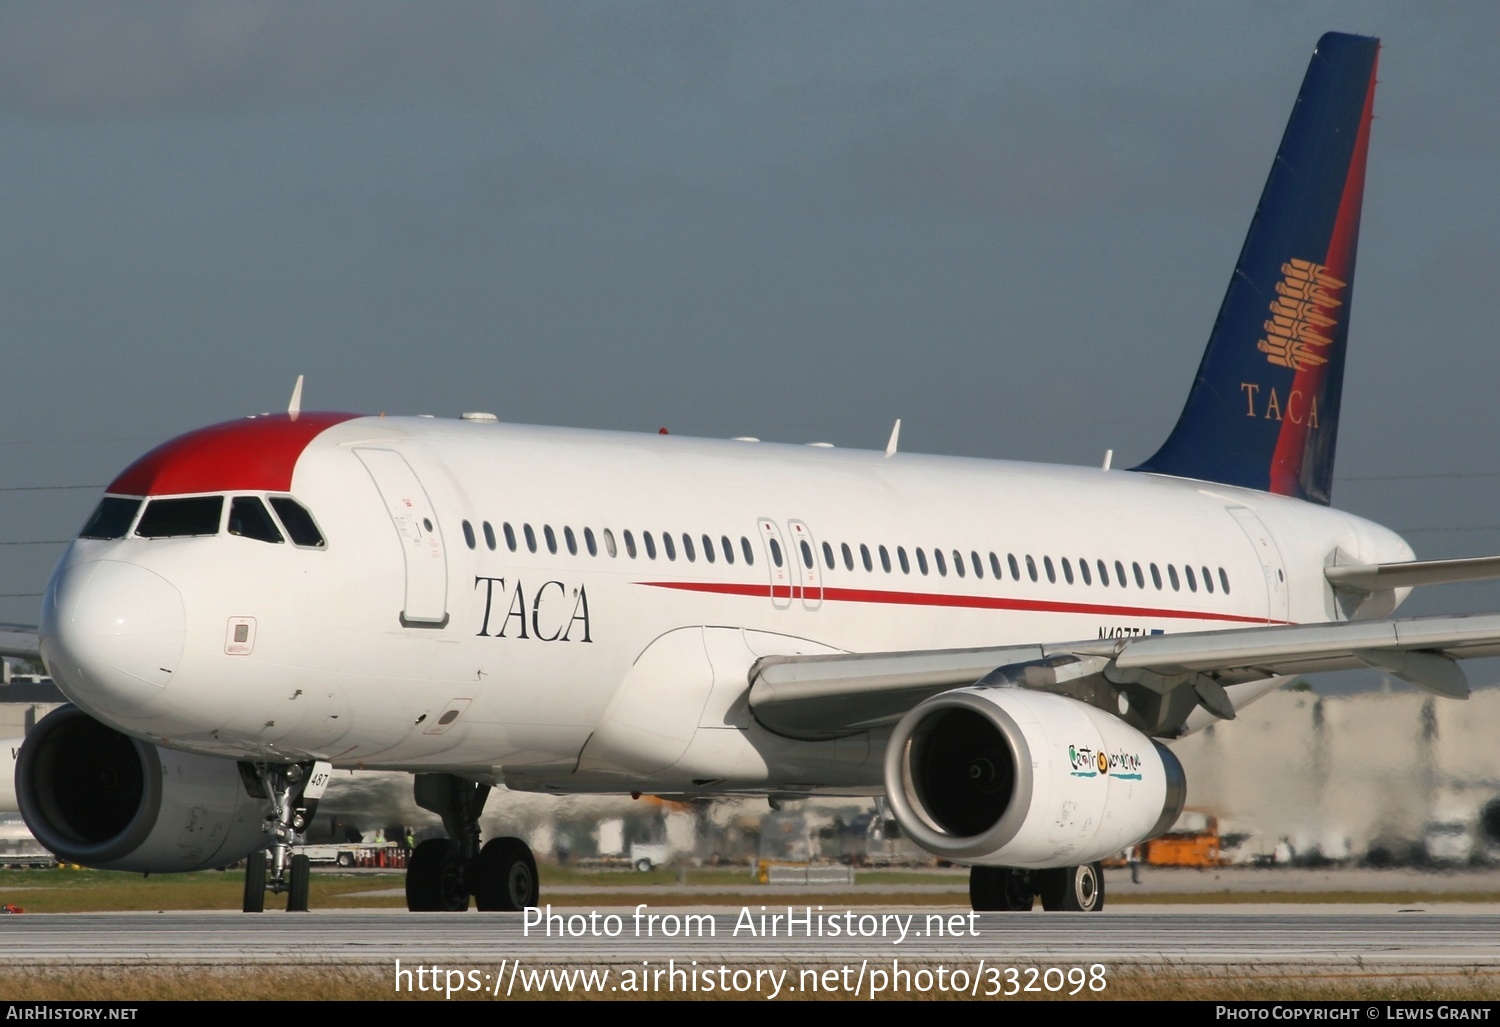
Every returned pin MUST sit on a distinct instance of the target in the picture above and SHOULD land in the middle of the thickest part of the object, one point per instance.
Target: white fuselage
(402, 646)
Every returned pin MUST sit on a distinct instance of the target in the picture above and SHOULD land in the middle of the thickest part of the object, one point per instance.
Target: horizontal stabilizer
(1373, 577)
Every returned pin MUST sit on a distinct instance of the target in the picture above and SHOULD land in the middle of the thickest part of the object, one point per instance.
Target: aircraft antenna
(1109, 458)
(890, 447)
(295, 406)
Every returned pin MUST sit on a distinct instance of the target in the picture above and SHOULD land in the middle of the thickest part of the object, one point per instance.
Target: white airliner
(998, 648)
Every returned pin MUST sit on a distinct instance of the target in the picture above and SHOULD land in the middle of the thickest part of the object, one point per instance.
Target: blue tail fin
(1263, 411)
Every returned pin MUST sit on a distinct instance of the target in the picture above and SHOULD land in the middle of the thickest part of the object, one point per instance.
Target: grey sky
(1010, 225)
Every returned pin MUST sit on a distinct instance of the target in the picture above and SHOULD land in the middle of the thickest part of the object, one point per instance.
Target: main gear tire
(1077, 889)
(505, 879)
(435, 878)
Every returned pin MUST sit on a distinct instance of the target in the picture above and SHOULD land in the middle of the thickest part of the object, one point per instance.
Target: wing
(18, 640)
(1161, 678)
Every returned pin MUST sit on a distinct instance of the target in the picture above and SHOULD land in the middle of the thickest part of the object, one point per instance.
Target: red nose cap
(252, 454)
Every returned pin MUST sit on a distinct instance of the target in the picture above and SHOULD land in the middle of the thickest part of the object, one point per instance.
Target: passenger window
(650, 544)
(530, 537)
(687, 548)
(489, 536)
(828, 556)
(995, 567)
(1223, 581)
(728, 548)
(1083, 570)
(629, 544)
(1051, 571)
(1140, 579)
(297, 522)
(1067, 568)
(181, 518)
(901, 558)
(609, 544)
(1192, 579)
(1156, 577)
(1208, 581)
(807, 555)
(111, 518)
(775, 552)
(748, 553)
(885, 559)
(958, 563)
(1103, 573)
(589, 542)
(708, 549)
(551, 539)
(468, 528)
(1031, 567)
(1120, 574)
(848, 556)
(921, 560)
(942, 564)
(666, 543)
(510, 536)
(249, 519)
(571, 540)
(978, 564)
(1172, 577)
(1015, 568)
(864, 557)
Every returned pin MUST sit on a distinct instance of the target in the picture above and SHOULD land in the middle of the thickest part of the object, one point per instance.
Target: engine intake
(1006, 776)
(96, 797)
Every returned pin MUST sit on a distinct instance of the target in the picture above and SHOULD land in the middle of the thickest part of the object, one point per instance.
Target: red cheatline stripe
(869, 595)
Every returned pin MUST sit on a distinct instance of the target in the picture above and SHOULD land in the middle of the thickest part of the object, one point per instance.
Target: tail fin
(1263, 411)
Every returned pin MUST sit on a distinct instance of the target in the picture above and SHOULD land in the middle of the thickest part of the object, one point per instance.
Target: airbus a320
(1000, 649)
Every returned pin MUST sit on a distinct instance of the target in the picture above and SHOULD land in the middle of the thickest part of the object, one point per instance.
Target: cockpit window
(297, 521)
(175, 518)
(111, 518)
(248, 517)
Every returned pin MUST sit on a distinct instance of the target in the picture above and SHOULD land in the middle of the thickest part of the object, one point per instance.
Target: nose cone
(111, 634)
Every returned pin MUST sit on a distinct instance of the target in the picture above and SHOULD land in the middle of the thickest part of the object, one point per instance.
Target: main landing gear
(294, 790)
(1005, 889)
(444, 872)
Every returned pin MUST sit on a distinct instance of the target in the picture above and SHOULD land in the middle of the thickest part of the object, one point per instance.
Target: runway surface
(1436, 936)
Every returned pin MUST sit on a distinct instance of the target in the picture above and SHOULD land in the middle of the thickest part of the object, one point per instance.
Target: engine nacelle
(1007, 776)
(96, 797)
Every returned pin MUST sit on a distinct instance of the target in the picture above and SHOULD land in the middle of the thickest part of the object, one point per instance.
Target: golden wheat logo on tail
(1301, 316)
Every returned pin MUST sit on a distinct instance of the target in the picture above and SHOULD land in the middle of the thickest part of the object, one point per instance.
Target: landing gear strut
(1079, 889)
(294, 790)
(444, 872)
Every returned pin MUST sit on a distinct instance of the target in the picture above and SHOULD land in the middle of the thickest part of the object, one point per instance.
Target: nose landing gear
(293, 790)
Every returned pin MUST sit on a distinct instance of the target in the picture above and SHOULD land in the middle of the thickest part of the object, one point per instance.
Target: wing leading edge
(1154, 681)
(19, 640)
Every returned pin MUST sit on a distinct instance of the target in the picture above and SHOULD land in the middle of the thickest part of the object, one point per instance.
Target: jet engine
(94, 796)
(1007, 776)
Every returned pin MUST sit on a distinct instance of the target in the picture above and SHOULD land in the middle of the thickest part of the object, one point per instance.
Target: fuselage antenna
(295, 406)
